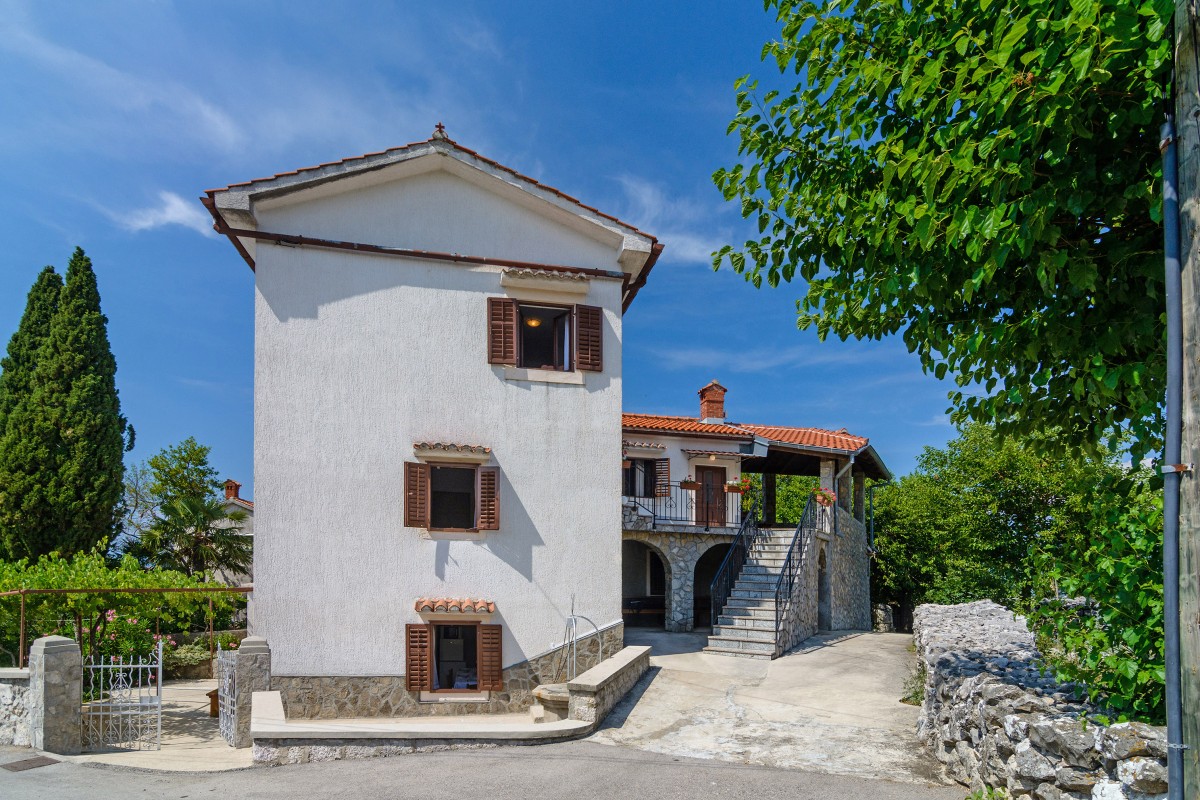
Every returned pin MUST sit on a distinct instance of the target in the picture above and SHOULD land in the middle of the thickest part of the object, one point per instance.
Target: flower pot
(691, 486)
(626, 463)
(733, 490)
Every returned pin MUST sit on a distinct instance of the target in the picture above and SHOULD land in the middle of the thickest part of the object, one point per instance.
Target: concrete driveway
(830, 706)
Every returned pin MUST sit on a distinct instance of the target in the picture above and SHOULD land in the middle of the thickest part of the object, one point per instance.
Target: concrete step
(743, 645)
(753, 594)
(762, 569)
(756, 580)
(749, 612)
(757, 621)
(725, 651)
(743, 634)
(739, 605)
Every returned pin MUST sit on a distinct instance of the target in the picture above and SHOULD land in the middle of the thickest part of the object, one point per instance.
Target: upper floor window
(451, 497)
(646, 477)
(544, 336)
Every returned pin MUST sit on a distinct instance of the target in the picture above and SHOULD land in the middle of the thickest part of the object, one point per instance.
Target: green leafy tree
(196, 536)
(1101, 620)
(21, 459)
(87, 617)
(182, 471)
(967, 523)
(76, 419)
(981, 178)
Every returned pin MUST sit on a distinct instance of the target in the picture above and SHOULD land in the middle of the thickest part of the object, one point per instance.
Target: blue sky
(119, 114)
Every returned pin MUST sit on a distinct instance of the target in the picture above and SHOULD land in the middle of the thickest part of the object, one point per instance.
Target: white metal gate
(122, 703)
(227, 694)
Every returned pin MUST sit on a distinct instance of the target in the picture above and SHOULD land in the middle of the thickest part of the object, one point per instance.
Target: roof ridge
(455, 145)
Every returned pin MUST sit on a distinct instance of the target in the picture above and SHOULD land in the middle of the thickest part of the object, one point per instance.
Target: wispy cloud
(477, 37)
(171, 210)
(108, 96)
(764, 359)
(683, 225)
(936, 421)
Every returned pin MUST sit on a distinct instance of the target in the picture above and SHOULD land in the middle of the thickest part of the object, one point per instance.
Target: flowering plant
(825, 497)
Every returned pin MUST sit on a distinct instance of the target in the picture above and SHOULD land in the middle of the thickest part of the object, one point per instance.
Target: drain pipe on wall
(1171, 468)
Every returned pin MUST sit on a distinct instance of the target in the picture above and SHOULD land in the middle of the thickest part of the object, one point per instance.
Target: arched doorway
(824, 600)
(645, 585)
(706, 569)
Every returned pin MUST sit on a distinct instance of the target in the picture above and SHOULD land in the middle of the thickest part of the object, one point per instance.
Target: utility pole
(1187, 124)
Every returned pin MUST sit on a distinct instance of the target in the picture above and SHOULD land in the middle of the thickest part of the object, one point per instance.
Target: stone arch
(824, 593)
(703, 572)
(634, 551)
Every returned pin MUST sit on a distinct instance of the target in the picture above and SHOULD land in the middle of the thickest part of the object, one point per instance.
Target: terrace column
(768, 509)
(860, 497)
(828, 470)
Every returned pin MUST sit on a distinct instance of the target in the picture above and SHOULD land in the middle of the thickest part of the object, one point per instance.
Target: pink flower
(111, 616)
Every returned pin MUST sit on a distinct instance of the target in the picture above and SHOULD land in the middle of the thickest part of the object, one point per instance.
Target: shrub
(186, 655)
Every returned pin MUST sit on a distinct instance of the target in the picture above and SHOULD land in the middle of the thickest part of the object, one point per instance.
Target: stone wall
(14, 707)
(850, 575)
(680, 547)
(594, 693)
(800, 618)
(331, 697)
(995, 719)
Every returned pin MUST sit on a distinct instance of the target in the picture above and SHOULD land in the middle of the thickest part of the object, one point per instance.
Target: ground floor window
(455, 658)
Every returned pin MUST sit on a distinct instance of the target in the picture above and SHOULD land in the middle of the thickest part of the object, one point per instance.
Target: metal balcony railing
(706, 506)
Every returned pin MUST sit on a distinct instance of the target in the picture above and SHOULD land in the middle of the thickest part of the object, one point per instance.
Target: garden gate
(227, 694)
(122, 702)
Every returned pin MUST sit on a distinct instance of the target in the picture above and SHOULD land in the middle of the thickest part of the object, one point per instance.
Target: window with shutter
(418, 655)
(491, 661)
(662, 477)
(502, 331)
(416, 495)
(489, 499)
(589, 338)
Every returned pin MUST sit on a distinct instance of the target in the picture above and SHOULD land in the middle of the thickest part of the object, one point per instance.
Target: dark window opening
(656, 577)
(455, 658)
(544, 333)
(452, 498)
(637, 480)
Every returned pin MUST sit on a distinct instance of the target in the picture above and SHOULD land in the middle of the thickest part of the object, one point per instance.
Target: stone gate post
(253, 675)
(55, 695)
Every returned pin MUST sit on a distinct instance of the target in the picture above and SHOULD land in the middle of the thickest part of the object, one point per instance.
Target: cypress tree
(76, 433)
(19, 460)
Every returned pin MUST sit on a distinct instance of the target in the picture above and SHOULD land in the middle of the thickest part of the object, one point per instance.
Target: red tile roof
(664, 424)
(804, 437)
(461, 149)
(455, 604)
(811, 437)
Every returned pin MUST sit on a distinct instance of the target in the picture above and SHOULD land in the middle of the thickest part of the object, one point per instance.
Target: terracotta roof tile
(461, 149)
(459, 605)
(665, 424)
(812, 437)
(642, 445)
(450, 447)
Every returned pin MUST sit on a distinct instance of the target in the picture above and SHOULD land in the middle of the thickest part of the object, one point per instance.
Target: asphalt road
(570, 771)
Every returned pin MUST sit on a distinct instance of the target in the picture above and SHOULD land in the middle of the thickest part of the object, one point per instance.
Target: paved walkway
(830, 706)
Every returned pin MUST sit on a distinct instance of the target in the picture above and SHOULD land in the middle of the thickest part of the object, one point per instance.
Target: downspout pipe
(1172, 470)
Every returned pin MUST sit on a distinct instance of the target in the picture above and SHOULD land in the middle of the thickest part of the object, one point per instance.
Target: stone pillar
(860, 498)
(844, 490)
(828, 470)
(253, 675)
(683, 566)
(55, 695)
(768, 509)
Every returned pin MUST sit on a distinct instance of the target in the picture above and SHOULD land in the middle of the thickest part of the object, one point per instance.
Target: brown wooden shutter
(489, 499)
(491, 661)
(416, 495)
(502, 331)
(662, 477)
(419, 656)
(589, 338)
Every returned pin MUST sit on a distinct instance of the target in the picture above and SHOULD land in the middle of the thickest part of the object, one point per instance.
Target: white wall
(356, 358)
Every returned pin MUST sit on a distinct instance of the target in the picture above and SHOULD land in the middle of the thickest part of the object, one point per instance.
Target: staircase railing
(731, 567)
(810, 522)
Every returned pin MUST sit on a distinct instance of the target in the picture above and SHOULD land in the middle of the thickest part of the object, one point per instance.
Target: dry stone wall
(995, 719)
(14, 707)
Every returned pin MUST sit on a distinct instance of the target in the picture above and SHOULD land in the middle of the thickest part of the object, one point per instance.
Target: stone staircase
(746, 626)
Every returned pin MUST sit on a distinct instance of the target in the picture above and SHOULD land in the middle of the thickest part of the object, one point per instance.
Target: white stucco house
(437, 400)
(233, 501)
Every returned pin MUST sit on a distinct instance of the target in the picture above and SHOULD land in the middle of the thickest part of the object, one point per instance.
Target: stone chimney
(712, 403)
(232, 488)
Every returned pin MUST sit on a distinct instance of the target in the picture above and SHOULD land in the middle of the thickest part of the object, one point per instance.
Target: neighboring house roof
(237, 501)
(811, 437)
(232, 208)
(684, 425)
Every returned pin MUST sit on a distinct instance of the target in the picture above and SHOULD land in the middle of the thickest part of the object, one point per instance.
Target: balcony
(705, 506)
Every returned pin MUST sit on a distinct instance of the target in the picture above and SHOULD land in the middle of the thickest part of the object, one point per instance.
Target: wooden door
(710, 499)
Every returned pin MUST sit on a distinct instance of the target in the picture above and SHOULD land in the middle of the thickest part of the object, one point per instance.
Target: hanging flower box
(689, 484)
(734, 487)
(626, 463)
(825, 497)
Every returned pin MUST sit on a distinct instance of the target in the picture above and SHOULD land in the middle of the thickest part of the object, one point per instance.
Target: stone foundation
(994, 719)
(331, 697)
